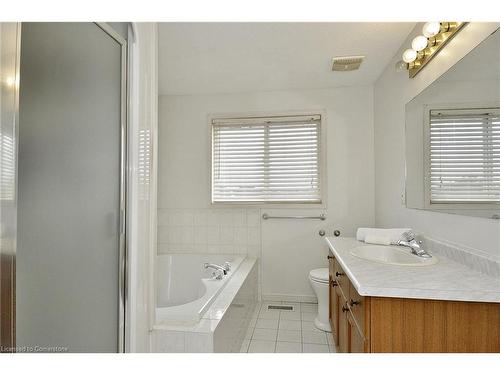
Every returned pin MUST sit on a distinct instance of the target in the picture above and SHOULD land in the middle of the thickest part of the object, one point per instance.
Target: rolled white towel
(378, 240)
(391, 234)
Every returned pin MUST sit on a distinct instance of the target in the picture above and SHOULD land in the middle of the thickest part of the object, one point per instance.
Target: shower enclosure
(68, 146)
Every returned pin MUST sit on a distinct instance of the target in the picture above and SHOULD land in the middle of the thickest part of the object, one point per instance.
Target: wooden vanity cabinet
(347, 312)
(362, 324)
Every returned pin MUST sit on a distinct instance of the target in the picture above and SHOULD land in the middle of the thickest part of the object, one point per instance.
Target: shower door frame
(8, 304)
(123, 253)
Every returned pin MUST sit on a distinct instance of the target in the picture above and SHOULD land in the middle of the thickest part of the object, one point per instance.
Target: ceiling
(209, 58)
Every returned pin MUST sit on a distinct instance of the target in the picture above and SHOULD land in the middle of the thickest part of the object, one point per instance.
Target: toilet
(319, 282)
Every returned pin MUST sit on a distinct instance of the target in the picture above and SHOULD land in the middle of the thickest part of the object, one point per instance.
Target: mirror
(453, 138)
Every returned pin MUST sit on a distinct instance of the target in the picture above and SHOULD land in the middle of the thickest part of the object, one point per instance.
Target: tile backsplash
(463, 256)
(210, 230)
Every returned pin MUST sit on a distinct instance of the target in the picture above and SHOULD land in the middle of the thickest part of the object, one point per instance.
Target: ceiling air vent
(346, 63)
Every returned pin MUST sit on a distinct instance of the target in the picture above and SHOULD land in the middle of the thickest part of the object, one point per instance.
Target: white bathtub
(185, 289)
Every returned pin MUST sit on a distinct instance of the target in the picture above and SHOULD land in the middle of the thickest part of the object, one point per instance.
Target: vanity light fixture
(425, 47)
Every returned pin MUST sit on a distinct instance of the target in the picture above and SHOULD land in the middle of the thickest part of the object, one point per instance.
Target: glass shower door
(70, 256)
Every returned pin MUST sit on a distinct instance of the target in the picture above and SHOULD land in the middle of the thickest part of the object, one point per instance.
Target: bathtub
(195, 313)
(185, 289)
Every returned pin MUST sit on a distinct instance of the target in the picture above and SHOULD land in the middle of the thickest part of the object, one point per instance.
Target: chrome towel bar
(320, 217)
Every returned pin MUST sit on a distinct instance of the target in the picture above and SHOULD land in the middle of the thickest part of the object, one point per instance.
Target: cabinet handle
(345, 308)
(329, 257)
(337, 274)
(334, 283)
(352, 303)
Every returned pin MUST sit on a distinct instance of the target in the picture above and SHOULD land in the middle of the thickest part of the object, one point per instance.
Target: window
(266, 160)
(464, 164)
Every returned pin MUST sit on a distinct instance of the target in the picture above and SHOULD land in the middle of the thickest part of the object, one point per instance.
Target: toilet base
(321, 288)
(322, 325)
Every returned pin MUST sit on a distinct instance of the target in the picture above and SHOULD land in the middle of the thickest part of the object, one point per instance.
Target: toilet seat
(319, 275)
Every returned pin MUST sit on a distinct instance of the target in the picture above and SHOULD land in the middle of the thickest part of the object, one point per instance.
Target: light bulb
(409, 55)
(10, 81)
(419, 43)
(401, 66)
(431, 28)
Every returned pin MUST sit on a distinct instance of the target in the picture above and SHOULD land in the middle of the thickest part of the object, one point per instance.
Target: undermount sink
(391, 255)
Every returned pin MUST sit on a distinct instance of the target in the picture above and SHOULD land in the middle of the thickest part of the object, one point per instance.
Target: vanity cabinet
(364, 324)
(347, 312)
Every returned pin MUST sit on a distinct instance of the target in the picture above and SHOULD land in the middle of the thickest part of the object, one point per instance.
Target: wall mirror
(453, 138)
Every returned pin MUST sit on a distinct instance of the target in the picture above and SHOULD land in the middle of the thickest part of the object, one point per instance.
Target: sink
(398, 256)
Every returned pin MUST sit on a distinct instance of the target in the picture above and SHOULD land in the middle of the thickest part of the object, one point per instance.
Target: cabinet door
(341, 279)
(334, 316)
(343, 337)
(334, 307)
(356, 341)
(358, 308)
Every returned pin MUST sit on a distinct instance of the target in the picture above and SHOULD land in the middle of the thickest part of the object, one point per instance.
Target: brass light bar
(435, 43)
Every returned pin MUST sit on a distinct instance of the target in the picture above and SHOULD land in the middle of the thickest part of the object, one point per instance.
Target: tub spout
(216, 267)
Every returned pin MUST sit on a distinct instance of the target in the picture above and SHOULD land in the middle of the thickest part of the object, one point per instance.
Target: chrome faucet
(217, 275)
(409, 240)
(224, 269)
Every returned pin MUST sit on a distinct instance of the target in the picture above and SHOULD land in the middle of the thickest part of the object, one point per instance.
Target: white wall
(392, 91)
(289, 249)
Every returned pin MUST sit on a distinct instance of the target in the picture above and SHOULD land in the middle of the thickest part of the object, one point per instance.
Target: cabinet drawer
(358, 306)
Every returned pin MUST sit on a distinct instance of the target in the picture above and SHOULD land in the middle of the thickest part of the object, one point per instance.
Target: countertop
(445, 280)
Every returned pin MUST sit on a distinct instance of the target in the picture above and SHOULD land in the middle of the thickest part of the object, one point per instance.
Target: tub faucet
(217, 275)
(216, 267)
(409, 240)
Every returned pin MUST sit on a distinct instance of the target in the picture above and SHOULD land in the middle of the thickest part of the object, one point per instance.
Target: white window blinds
(7, 167)
(269, 160)
(465, 156)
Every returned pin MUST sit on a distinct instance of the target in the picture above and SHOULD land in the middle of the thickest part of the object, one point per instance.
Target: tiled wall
(216, 231)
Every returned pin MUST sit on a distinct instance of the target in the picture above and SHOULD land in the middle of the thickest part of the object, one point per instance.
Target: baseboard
(289, 298)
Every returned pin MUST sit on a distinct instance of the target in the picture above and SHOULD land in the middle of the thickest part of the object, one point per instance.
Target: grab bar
(320, 217)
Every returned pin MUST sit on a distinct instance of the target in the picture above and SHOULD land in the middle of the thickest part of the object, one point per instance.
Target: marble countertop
(445, 280)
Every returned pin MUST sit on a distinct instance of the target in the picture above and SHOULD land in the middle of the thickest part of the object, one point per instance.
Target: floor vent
(280, 307)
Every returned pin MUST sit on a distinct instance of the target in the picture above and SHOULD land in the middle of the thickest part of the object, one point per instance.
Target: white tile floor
(274, 331)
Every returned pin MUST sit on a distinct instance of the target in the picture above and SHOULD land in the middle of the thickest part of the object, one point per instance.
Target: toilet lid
(320, 274)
